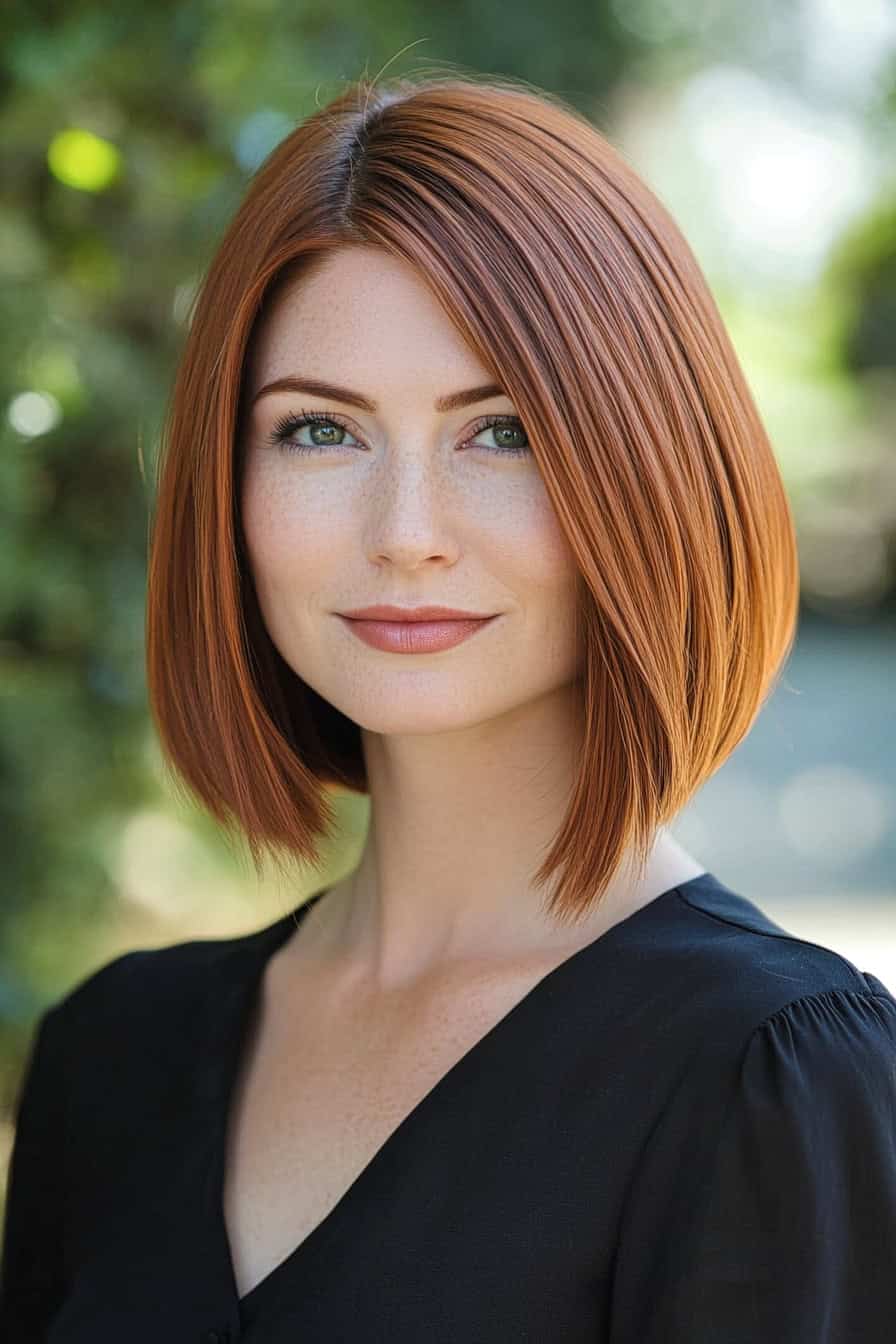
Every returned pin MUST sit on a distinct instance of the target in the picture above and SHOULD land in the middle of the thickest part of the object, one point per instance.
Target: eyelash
(289, 424)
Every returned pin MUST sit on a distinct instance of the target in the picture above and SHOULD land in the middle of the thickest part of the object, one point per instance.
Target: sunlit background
(129, 135)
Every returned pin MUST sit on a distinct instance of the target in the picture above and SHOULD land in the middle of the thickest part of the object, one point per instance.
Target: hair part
(579, 294)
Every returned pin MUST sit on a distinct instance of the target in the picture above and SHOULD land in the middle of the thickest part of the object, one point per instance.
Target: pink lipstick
(413, 629)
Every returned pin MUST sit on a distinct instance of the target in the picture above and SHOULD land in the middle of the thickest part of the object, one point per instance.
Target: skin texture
(401, 968)
(470, 751)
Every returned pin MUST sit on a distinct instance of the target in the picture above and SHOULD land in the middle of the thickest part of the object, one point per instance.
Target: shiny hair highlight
(577, 291)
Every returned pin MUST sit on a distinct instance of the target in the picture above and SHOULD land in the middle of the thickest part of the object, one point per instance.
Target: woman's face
(398, 502)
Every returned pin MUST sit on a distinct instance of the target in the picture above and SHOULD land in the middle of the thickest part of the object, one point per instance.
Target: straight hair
(575, 288)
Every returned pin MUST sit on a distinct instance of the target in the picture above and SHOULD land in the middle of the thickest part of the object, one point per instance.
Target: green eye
(328, 428)
(508, 431)
(329, 431)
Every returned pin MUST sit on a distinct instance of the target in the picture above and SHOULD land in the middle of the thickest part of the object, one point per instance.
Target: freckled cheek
(530, 537)
(545, 579)
(293, 535)
(298, 529)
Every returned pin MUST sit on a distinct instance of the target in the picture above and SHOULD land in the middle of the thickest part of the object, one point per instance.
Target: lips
(415, 636)
(387, 612)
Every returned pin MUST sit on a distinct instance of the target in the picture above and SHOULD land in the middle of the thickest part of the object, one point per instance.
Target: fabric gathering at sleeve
(773, 1216)
(31, 1266)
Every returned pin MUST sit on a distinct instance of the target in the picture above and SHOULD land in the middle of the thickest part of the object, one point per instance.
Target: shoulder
(763, 1201)
(166, 973)
(808, 1096)
(726, 973)
(750, 985)
(153, 1000)
(773, 1051)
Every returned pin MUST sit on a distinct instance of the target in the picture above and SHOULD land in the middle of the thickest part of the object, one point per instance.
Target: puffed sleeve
(770, 1213)
(31, 1270)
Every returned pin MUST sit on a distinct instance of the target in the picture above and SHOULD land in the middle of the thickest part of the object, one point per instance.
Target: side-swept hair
(579, 294)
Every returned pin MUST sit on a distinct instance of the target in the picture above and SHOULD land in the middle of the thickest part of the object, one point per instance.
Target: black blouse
(685, 1133)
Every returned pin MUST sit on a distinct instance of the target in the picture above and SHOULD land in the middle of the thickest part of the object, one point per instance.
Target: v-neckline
(265, 943)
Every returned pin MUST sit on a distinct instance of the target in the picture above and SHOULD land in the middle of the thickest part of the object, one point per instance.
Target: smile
(414, 636)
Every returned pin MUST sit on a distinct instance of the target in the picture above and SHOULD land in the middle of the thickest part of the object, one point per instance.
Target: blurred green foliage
(128, 136)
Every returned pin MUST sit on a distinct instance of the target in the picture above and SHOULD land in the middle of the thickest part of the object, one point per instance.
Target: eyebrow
(452, 402)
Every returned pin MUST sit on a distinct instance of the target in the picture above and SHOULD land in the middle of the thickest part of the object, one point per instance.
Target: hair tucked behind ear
(576, 290)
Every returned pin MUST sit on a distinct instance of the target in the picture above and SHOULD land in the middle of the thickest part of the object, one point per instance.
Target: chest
(322, 1087)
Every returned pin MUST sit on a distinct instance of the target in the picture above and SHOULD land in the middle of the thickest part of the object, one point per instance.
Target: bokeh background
(128, 135)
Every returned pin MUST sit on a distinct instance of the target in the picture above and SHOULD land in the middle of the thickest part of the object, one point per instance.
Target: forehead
(363, 312)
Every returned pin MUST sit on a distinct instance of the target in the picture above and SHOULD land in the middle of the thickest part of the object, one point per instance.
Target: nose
(409, 519)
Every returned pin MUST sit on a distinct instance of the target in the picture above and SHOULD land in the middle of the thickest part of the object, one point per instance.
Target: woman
(530, 1071)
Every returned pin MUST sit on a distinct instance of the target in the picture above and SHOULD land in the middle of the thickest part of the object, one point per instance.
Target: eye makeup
(287, 426)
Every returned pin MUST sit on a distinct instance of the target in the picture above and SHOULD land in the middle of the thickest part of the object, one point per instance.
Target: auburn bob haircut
(577, 291)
